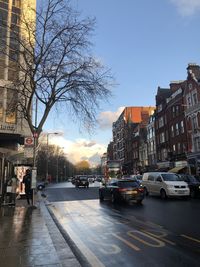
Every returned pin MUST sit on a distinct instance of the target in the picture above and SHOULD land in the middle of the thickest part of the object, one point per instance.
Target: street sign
(28, 141)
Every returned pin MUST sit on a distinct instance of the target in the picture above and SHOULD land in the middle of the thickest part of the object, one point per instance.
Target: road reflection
(109, 237)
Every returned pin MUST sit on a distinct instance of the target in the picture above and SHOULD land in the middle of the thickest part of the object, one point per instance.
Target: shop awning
(177, 169)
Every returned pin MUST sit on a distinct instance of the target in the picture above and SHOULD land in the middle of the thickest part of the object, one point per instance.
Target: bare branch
(56, 64)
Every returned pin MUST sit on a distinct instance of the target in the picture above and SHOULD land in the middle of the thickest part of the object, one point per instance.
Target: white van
(165, 184)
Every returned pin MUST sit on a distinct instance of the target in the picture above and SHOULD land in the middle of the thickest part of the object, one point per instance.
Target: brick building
(192, 114)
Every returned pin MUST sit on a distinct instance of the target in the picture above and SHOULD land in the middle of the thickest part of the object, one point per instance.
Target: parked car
(165, 184)
(193, 183)
(118, 190)
(73, 180)
(81, 180)
(137, 177)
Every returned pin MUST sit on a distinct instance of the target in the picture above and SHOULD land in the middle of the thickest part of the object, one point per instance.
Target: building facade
(192, 115)
(13, 126)
(125, 135)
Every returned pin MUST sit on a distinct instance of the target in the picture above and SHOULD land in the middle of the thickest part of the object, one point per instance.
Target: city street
(156, 233)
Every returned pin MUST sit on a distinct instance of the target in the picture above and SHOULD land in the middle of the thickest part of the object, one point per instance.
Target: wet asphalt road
(156, 233)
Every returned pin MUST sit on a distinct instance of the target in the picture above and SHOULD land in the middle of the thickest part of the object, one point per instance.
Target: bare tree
(55, 65)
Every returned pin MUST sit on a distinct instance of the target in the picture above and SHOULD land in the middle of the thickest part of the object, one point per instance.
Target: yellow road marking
(126, 242)
(191, 238)
(160, 237)
(159, 242)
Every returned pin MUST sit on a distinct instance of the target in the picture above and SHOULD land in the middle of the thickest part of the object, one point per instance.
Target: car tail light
(122, 189)
(140, 190)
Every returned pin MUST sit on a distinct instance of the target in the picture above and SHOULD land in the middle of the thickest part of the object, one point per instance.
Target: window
(11, 106)
(159, 107)
(174, 148)
(177, 129)
(161, 122)
(182, 127)
(173, 111)
(162, 137)
(194, 123)
(195, 100)
(189, 103)
(172, 131)
(179, 148)
(197, 144)
(17, 3)
(151, 178)
(3, 17)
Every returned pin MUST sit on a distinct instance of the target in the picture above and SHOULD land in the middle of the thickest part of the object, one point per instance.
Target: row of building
(163, 137)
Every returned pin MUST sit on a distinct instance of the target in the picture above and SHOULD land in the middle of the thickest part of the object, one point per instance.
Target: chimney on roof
(194, 70)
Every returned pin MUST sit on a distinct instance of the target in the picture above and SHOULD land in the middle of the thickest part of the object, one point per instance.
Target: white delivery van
(165, 184)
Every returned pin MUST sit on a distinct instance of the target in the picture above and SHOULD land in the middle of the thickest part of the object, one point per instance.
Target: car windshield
(83, 178)
(171, 177)
(126, 184)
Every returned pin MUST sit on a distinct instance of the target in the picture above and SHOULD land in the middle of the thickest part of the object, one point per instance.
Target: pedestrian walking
(14, 183)
(27, 182)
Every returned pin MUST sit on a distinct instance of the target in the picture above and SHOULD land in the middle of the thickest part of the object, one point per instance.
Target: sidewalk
(29, 238)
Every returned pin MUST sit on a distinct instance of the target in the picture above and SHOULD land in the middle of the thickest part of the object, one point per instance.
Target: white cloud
(80, 149)
(106, 118)
(187, 7)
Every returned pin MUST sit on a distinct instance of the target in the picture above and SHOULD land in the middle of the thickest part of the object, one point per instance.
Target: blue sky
(146, 43)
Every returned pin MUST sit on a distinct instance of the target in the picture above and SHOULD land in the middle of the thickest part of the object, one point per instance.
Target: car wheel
(163, 194)
(192, 194)
(101, 197)
(146, 193)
